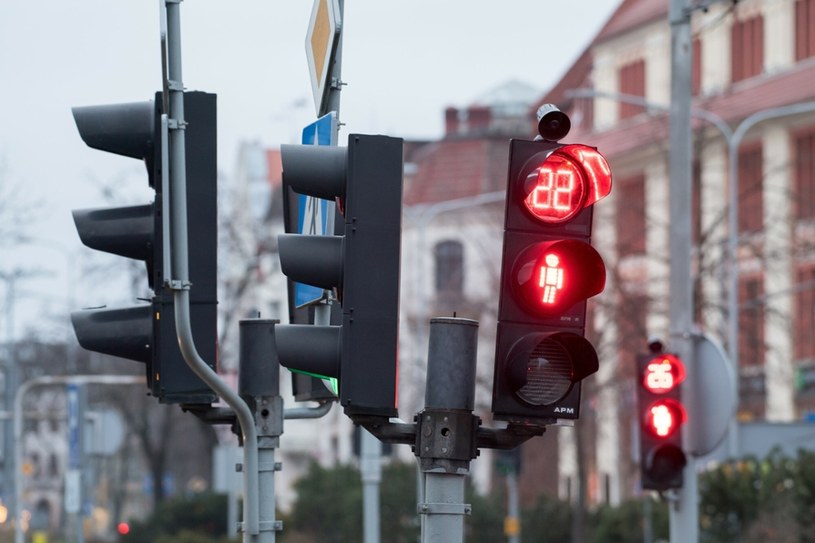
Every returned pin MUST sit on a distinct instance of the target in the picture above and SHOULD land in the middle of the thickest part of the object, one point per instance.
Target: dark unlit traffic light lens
(548, 375)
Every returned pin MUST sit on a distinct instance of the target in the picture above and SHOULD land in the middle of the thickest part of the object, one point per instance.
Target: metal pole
(733, 143)
(371, 467)
(180, 279)
(447, 428)
(11, 379)
(513, 508)
(684, 511)
(259, 386)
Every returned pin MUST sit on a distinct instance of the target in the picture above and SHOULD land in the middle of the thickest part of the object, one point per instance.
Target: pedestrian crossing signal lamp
(662, 415)
(548, 271)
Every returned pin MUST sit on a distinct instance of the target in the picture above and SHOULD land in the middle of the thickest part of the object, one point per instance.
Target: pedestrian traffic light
(146, 332)
(361, 265)
(661, 413)
(548, 270)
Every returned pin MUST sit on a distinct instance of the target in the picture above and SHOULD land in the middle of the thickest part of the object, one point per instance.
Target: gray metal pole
(684, 511)
(180, 273)
(11, 379)
(513, 508)
(371, 467)
(259, 386)
(446, 434)
(733, 143)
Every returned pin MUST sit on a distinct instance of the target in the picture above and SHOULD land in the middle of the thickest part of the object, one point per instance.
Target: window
(751, 200)
(746, 48)
(751, 321)
(696, 202)
(805, 313)
(631, 216)
(449, 257)
(632, 81)
(696, 70)
(804, 29)
(805, 176)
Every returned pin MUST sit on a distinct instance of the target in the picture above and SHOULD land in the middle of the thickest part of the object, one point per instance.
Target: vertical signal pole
(445, 434)
(684, 514)
(179, 279)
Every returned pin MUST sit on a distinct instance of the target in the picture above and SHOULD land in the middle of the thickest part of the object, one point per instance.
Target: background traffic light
(361, 265)
(146, 332)
(661, 414)
(548, 270)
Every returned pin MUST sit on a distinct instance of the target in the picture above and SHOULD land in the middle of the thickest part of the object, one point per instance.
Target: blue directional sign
(313, 216)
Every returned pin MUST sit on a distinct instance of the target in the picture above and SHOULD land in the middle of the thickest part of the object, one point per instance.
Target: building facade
(752, 62)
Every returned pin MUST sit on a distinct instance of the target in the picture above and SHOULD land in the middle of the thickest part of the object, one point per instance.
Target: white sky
(403, 62)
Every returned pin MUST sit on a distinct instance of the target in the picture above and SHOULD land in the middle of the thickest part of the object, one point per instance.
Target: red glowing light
(555, 190)
(123, 528)
(663, 373)
(550, 277)
(569, 179)
(664, 417)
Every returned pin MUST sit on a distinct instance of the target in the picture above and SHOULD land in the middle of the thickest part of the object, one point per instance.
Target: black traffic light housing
(661, 416)
(548, 270)
(361, 265)
(146, 332)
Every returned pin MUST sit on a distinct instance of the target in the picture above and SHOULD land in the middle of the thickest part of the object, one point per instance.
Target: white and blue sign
(313, 212)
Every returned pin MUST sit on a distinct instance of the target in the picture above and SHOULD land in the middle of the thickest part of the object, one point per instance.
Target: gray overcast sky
(404, 62)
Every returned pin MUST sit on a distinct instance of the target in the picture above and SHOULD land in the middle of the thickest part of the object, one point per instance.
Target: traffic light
(361, 265)
(661, 413)
(146, 332)
(548, 270)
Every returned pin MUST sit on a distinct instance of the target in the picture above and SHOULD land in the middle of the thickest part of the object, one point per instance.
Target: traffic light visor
(558, 184)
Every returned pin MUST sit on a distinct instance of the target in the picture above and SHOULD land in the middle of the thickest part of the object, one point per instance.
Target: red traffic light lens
(555, 190)
(664, 417)
(663, 373)
(557, 186)
(550, 277)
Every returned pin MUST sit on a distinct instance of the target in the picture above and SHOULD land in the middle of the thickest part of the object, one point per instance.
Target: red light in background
(123, 528)
(664, 417)
(663, 373)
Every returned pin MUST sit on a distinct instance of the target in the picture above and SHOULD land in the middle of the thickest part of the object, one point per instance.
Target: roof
(743, 99)
(630, 15)
(457, 168)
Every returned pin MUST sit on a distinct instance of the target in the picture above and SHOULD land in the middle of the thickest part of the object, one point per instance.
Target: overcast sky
(403, 62)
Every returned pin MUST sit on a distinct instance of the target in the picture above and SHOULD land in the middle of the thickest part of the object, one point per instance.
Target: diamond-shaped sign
(322, 38)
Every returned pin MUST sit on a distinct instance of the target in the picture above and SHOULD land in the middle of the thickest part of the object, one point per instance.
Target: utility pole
(684, 512)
